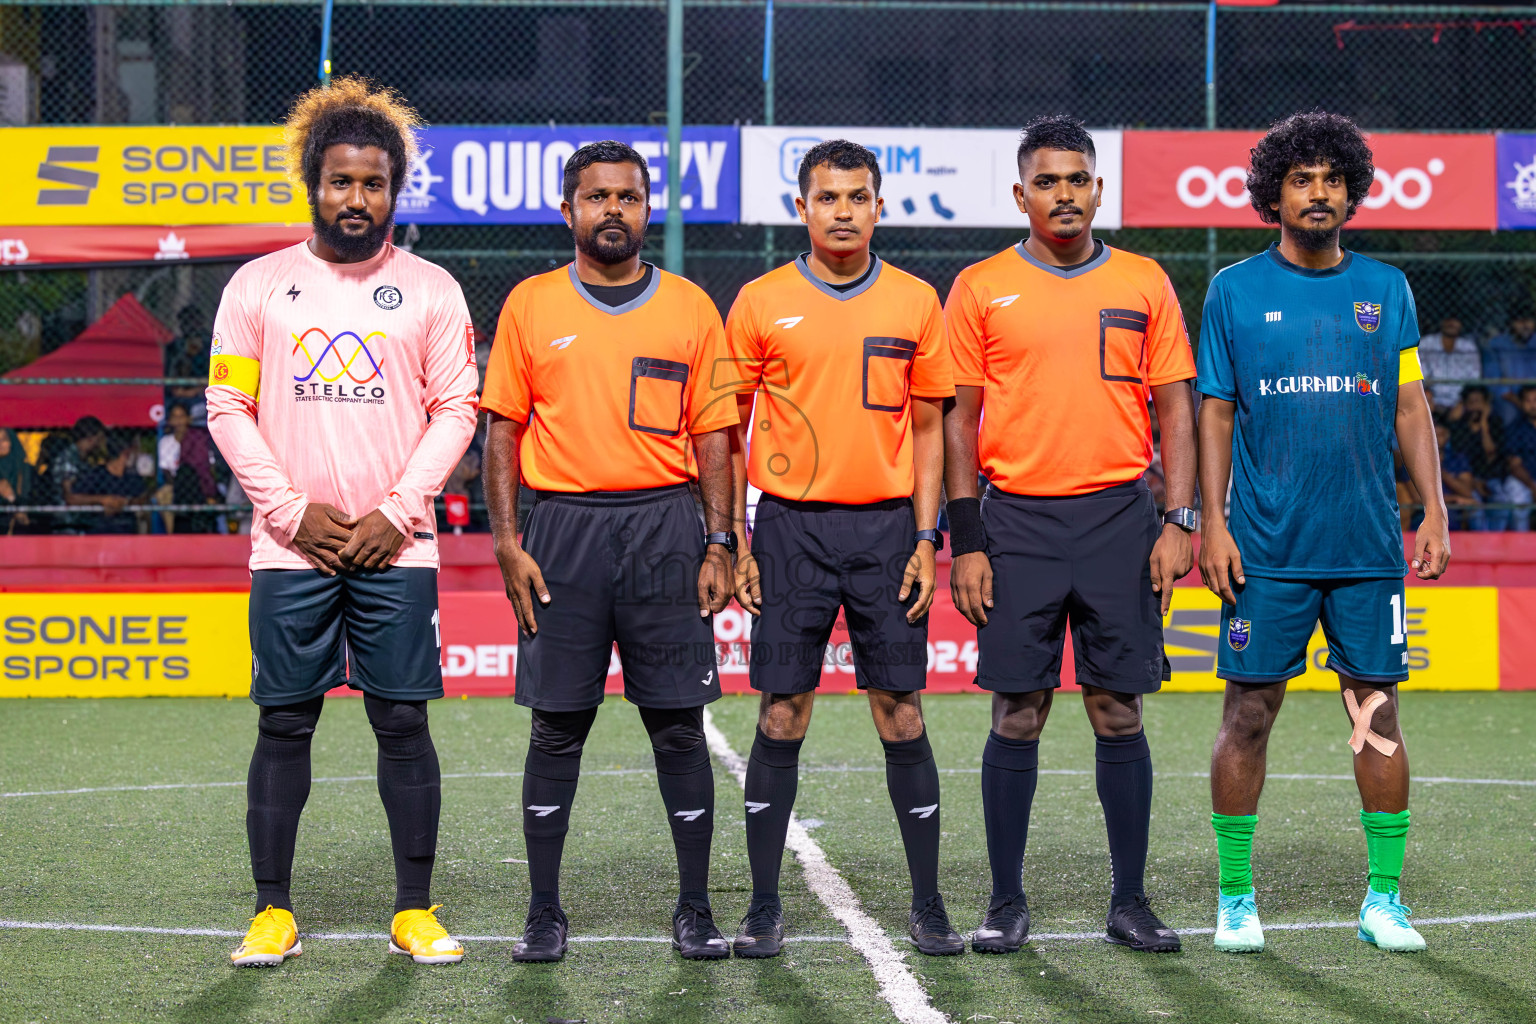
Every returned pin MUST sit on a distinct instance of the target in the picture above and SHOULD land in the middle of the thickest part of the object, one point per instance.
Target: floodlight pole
(673, 249)
(325, 43)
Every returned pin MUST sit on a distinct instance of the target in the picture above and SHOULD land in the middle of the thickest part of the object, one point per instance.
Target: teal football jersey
(1311, 359)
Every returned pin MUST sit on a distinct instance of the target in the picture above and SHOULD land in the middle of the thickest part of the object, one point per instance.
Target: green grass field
(176, 858)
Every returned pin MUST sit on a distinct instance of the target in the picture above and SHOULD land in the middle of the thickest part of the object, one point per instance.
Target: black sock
(411, 786)
(275, 792)
(549, 787)
(913, 781)
(1124, 776)
(1009, 771)
(773, 776)
(687, 782)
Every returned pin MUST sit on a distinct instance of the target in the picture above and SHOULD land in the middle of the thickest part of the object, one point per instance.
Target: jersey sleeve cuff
(1169, 378)
(968, 380)
(948, 392)
(1205, 387)
(287, 517)
(504, 409)
(396, 518)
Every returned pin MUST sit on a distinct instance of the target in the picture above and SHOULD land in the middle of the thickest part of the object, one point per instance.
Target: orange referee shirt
(1066, 357)
(610, 393)
(835, 373)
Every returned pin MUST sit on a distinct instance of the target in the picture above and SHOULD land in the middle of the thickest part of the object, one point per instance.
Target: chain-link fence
(970, 63)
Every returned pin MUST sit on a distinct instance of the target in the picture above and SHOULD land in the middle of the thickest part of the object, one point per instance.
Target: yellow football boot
(272, 938)
(416, 934)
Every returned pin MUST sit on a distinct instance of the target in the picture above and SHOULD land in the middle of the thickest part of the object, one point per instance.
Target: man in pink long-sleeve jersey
(342, 391)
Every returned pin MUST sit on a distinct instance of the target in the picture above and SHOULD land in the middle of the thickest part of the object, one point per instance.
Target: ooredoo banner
(1198, 179)
(156, 643)
(930, 177)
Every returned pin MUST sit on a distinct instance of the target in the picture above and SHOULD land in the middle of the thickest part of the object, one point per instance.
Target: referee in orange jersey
(1061, 338)
(846, 358)
(600, 401)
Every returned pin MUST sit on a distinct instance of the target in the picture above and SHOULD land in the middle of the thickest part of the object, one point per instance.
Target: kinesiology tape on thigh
(1363, 733)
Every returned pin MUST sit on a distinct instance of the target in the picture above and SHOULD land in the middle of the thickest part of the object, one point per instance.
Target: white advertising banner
(930, 177)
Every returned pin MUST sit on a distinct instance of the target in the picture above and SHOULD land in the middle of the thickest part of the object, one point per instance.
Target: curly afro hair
(351, 110)
(1309, 138)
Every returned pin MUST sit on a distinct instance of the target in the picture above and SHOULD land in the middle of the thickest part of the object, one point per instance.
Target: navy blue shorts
(306, 628)
(1081, 562)
(1264, 636)
(816, 557)
(621, 567)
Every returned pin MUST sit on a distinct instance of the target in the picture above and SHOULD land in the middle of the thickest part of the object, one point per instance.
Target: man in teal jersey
(1309, 351)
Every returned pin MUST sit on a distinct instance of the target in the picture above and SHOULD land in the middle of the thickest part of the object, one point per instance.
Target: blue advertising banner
(1516, 163)
(512, 174)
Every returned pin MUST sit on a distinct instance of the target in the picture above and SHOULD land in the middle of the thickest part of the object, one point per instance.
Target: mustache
(1318, 208)
(1067, 209)
(363, 216)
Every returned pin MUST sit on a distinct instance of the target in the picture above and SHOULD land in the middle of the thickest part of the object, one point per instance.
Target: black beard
(1316, 239)
(610, 253)
(352, 248)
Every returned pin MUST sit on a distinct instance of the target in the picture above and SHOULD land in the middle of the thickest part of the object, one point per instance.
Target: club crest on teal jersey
(1238, 632)
(1368, 315)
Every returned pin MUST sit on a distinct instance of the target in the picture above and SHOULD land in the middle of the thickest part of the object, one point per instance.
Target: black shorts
(1082, 561)
(307, 628)
(622, 567)
(815, 557)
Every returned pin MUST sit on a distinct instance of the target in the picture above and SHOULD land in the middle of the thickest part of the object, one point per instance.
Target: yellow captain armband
(1408, 368)
(238, 372)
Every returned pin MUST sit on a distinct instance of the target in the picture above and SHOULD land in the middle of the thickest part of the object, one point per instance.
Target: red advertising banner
(51, 246)
(1423, 182)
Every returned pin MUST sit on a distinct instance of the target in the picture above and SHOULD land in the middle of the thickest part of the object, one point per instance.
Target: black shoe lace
(544, 922)
(702, 924)
(1137, 915)
(931, 918)
(1004, 913)
(762, 918)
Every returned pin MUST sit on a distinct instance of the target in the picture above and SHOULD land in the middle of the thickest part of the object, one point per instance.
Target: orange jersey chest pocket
(1122, 345)
(657, 390)
(887, 373)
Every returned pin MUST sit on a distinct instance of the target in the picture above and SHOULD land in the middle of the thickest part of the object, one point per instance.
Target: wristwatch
(728, 540)
(932, 536)
(1186, 519)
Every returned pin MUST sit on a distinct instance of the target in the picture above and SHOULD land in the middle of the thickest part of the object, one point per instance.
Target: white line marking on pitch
(907, 999)
(70, 926)
(832, 768)
(1299, 926)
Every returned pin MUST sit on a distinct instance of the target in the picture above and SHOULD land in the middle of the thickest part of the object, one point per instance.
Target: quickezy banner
(512, 175)
(1516, 181)
(1198, 179)
(930, 177)
(147, 175)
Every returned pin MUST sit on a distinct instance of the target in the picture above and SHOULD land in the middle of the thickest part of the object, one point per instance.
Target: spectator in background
(186, 462)
(114, 486)
(16, 481)
(465, 480)
(1448, 355)
(1478, 435)
(1520, 451)
(1512, 355)
(187, 356)
(87, 439)
(1461, 492)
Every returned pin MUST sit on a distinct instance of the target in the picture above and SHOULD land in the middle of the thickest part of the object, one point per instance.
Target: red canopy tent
(128, 341)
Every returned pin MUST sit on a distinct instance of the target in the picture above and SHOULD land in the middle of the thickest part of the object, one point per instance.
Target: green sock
(1234, 848)
(1386, 842)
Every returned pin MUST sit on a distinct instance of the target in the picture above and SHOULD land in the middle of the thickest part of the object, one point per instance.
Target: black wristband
(966, 534)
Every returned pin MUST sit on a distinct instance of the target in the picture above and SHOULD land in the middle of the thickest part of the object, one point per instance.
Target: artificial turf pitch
(176, 858)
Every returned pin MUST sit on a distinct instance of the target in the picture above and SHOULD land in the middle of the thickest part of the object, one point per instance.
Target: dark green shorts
(307, 629)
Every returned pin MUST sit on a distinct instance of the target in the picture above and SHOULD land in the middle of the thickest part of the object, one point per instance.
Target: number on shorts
(1399, 620)
(437, 629)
